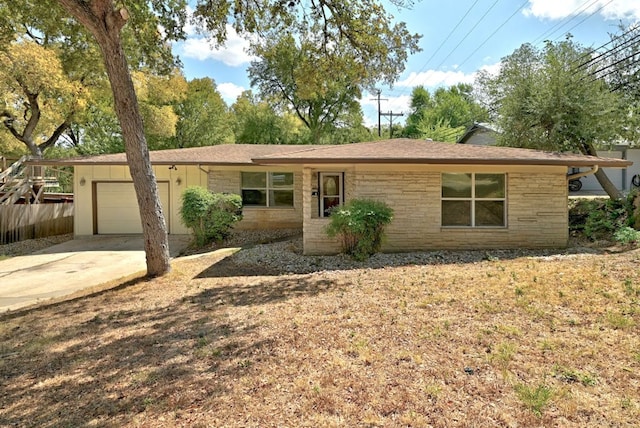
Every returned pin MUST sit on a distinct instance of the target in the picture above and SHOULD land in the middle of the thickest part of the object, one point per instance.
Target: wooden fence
(20, 222)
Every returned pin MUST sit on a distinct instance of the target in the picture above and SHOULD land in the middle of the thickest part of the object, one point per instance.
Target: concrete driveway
(72, 266)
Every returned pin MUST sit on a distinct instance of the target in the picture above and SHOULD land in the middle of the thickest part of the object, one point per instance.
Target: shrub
(360, 225)
(627, 235)
(210, 216)
(608, 219)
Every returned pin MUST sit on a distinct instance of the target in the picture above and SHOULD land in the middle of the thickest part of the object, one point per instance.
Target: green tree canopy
(444, 115)
(204, 118)
(322, 82)
(544, 100)
(255, 121)
(40, 98)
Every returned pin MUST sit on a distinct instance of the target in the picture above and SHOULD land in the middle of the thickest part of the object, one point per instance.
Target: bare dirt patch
(548, 339)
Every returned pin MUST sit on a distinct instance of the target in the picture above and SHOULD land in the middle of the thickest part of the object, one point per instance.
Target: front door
(331, 192)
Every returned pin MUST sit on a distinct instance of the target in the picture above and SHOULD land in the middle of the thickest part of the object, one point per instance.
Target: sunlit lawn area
(529, 341)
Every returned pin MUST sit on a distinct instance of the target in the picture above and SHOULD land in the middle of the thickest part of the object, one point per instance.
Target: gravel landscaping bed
(28, 246)
(286, 257)
(280, 252)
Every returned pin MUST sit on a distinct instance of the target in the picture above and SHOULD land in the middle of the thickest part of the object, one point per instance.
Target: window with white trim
(331, 192)
(267, 189)
(474, 200)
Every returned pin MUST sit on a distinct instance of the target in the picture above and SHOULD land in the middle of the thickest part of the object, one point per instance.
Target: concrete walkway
(72, 266)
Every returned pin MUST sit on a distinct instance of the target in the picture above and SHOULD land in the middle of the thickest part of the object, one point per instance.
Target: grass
(422, 345)
(536, 398)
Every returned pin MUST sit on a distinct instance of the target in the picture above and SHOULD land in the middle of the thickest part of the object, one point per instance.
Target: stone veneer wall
(536, 211)
(256, 217)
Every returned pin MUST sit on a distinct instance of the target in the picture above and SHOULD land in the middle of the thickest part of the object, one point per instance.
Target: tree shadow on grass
(126, 363)
(228, 267)
(267, 291)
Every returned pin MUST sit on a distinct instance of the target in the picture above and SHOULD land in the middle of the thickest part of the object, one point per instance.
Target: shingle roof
(395, 151)
(223, 154)
(410, 151)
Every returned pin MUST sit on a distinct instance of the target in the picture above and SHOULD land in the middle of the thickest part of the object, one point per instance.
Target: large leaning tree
(544, 99)
(152, 24)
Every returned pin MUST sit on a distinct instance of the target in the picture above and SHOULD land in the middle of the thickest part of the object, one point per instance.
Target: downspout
(593, 170)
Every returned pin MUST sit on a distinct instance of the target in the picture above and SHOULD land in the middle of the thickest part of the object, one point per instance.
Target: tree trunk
(601, 176)
(105, 24)
(156, 241)
(607, 185)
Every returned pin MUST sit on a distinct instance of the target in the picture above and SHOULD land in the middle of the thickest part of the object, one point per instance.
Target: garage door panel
(117, 207)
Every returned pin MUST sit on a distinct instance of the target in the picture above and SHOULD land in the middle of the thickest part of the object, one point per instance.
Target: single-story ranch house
(444, 196)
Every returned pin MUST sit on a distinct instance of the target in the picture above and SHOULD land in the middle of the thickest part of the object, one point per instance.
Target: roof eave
(456, 161)
(77, 162)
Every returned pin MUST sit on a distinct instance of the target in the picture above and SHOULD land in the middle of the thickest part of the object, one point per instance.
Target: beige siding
(536, 209)
(228, 180)
(178, 179)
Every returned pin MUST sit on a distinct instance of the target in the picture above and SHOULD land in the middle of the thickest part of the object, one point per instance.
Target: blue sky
(459, 37)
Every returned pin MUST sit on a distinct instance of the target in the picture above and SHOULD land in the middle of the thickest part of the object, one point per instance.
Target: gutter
(593, 170)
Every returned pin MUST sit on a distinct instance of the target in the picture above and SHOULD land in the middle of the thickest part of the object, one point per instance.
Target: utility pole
(391, 115)
(379, 92)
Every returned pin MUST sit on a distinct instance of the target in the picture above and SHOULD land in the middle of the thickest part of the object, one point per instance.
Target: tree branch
(97, 14)
(54, 137)
(32, 122)
(8, 122)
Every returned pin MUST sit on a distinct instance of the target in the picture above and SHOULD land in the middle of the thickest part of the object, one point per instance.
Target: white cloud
(554, 9)
(428, 79)
(492, 69)
(233, 53)
(198, 46)
(436, 78)
(230, 92)
(395, 104)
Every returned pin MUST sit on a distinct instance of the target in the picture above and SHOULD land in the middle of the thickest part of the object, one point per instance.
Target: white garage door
(117, 207)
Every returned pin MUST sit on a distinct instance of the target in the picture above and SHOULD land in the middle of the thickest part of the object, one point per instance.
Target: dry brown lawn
(528, 341)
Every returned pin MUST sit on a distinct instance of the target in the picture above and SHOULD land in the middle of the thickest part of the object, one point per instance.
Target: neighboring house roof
(477, 128)
(394, 151)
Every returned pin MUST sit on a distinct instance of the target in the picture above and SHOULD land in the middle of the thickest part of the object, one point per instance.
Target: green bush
(210, 216)
(360, 225)
(610, 218)
(627, 235)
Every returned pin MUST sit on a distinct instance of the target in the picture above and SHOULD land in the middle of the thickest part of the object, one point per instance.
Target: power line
(609, 52)
(494, 32)
(585, 18)
(635, 77)
(468, 33)
(613, 64)
(630, 30)
(576, 12)
(446, 39)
